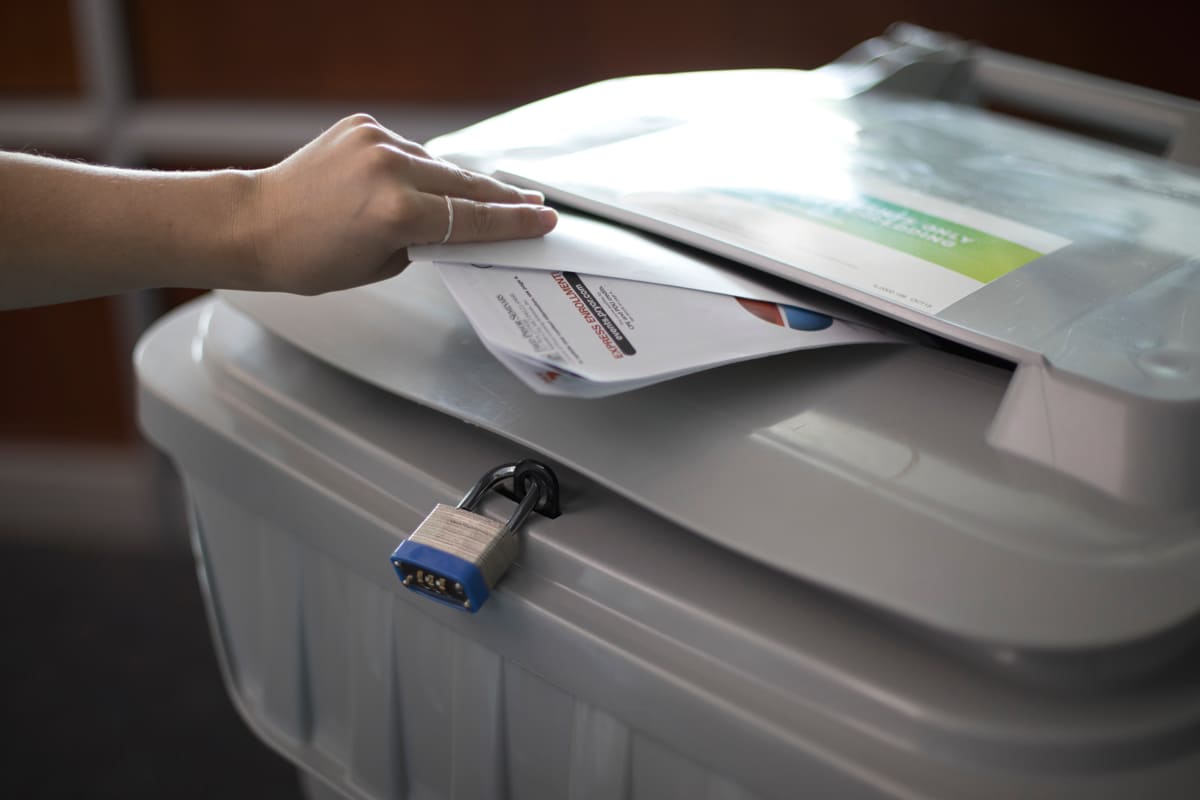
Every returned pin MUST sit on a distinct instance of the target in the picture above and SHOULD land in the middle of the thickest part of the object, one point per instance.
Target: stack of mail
(594, 309)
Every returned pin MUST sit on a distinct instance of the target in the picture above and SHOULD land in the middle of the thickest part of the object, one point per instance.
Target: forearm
(339, 212)
(71, 230)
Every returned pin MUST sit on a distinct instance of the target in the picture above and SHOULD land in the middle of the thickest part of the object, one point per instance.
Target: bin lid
(1077, 261)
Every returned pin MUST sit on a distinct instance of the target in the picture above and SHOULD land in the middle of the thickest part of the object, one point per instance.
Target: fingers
(368, 131)
(475, 221)
(431, 174)
(407, 145)
(441, 177)
(415, 187)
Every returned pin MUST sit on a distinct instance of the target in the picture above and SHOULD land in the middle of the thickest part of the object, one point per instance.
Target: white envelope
(592, 247)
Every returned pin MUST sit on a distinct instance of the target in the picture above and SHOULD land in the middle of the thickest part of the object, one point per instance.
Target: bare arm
(337, 213)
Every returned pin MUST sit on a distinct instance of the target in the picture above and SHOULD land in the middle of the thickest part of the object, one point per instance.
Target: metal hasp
(456, 555)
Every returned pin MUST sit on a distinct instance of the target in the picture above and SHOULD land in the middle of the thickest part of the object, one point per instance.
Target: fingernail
(547, 216)
(533, 196)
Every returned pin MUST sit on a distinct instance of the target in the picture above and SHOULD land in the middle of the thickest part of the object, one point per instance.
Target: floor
(110, 685)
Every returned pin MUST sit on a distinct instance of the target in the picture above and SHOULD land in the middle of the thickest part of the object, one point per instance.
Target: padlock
(457, 556)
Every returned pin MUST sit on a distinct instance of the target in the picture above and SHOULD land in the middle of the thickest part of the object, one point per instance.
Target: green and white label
(918, 250)
(964, 249)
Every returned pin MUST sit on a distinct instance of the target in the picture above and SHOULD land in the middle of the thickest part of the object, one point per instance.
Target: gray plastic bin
(830, 574)
(623, 656)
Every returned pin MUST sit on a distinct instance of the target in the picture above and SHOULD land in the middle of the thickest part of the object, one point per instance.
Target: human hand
(342, 210)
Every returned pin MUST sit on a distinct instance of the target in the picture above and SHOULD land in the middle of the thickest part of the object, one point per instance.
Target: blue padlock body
(454, 569)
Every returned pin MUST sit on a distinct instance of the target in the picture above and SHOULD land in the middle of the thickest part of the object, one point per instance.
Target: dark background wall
(522, 49)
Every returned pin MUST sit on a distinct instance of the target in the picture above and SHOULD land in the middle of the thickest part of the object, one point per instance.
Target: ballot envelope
(961, 564)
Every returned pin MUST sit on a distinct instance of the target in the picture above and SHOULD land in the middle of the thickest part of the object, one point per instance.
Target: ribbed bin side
(360, 685)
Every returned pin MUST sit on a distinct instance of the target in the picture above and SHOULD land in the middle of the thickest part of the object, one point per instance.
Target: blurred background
(110, 687)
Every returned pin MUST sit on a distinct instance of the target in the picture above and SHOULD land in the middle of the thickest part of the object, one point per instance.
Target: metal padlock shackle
(543, 493)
